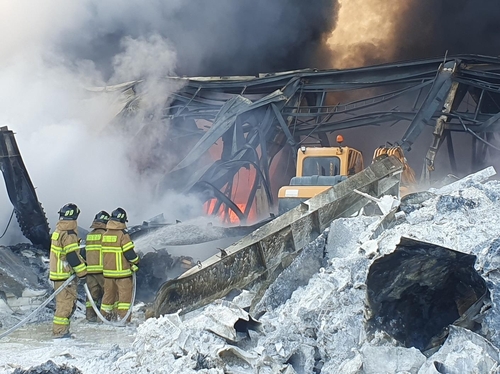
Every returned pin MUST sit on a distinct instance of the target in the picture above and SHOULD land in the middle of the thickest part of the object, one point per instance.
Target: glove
(83, 280)
(134, 268)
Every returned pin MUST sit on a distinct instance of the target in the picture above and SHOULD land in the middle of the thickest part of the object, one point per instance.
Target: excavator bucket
(28, 210)
(408, 180)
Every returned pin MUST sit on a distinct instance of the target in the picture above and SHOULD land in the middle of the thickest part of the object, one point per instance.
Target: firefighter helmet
(102, 217)
(69, 212)
(119, 215)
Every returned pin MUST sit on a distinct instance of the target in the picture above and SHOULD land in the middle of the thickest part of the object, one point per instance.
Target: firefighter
(93, 256)
(65, 259)
(119, 262)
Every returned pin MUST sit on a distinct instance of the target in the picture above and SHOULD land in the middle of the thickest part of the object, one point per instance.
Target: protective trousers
(117, 295)
(95, 283)
(65, 306)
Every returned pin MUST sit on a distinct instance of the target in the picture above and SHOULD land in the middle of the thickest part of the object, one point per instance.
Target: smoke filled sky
(227, 37)
(220, 37)
(52, 49)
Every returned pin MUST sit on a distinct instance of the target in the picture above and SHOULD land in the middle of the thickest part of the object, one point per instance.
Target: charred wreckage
(252, 127)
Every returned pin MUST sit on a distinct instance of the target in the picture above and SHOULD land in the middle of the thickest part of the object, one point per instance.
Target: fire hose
(121, 322)
(24, 321)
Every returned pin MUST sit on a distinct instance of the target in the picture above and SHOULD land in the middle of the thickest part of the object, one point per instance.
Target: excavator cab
(318, 169)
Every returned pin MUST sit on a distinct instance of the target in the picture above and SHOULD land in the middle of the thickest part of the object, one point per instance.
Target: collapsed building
(224, 130)
(252, 128)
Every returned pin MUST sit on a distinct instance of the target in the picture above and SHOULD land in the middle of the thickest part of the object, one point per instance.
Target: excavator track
(28, 210)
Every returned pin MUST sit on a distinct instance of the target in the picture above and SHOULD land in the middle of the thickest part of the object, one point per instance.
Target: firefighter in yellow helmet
(119, 261)
(65, 259)
(93, 256)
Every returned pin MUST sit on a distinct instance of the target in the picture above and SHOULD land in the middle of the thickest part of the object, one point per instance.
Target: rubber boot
(90, 315)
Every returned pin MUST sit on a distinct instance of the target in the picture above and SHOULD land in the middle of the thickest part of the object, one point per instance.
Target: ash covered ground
(321, 328)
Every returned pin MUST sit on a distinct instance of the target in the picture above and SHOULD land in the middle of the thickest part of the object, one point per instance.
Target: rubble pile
(22, 266)
(23, 281)
(322, 328)
(324, 325)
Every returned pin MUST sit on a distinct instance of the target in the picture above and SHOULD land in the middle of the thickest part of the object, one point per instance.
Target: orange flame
(243, 182)
(227, 215)
(241, 187)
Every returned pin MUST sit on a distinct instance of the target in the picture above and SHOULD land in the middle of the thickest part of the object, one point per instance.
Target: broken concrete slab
(478, 177)
(298, 274)
(463, 352)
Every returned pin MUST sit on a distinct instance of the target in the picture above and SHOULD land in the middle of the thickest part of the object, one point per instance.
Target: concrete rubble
(23, 281)
(321, 327)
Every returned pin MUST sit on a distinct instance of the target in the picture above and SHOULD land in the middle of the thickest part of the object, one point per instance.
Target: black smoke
(223, 37)
(235, 37)
(430, 28)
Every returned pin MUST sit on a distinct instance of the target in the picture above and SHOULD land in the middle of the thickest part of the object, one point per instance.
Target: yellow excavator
(319, 168)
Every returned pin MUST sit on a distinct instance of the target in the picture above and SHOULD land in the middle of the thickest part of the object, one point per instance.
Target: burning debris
(245, 131)
(270, 249)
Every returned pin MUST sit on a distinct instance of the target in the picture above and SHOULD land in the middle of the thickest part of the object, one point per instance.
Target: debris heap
(324, 327)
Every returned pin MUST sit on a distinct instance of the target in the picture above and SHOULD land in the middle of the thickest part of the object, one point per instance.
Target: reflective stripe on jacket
(117, 251)
(93, 247)
(65, 256)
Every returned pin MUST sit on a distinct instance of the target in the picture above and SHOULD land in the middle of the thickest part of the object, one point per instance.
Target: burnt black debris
(418, 290)
(28, 210)
(154, 270)
(49, 367)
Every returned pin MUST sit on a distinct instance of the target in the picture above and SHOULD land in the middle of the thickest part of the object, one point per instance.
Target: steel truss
(255, 117)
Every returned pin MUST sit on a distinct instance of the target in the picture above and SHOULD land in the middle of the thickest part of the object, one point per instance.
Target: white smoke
(52, 49)
(63, 130)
